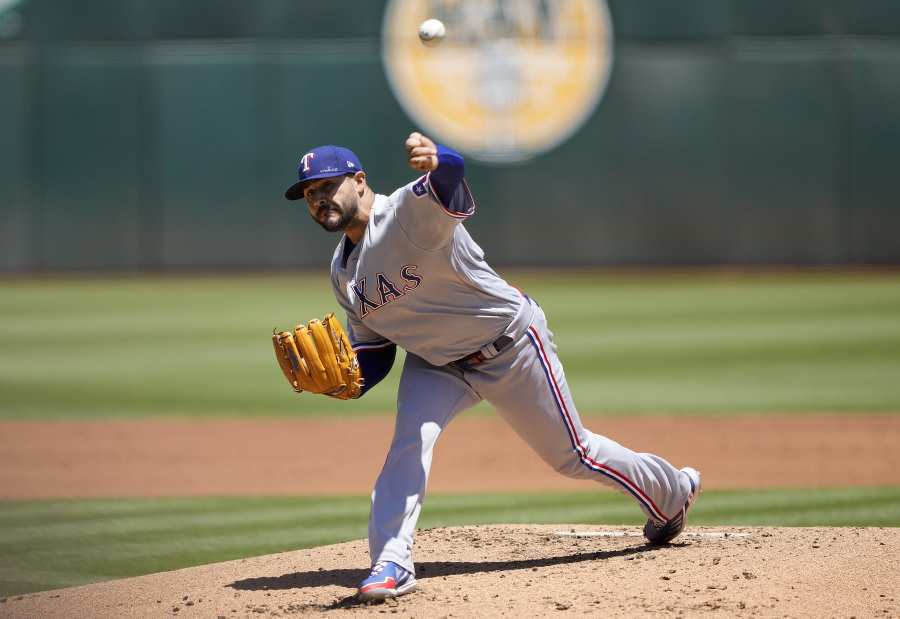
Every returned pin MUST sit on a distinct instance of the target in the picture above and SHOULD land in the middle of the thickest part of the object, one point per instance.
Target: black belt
(479, 357)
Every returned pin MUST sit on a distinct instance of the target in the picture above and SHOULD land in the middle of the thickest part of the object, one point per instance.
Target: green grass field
(631, 344)
(52, 544)
(712, 344)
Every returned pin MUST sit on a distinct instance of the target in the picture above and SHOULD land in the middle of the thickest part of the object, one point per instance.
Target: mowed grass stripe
(875, 506)
(752, 337)
(66, 511)
(630, 344)
(740, 341)
(147, 526)
(113, 539)
(221, 543)
(721, 392)
(114, 519)
(38, 576)
(591, 304)
(683, 293)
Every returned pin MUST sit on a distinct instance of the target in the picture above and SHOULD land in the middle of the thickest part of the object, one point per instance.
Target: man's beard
(347, 215)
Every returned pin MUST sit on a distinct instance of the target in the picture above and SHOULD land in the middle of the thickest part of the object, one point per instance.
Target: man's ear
(360, 179)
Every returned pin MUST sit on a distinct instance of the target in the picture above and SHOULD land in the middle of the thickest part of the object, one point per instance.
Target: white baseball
(432, 32)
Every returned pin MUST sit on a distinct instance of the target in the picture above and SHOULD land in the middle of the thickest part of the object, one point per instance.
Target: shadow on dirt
(424, 571)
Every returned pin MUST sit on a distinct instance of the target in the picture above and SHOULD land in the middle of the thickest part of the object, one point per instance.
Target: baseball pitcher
(407, 273)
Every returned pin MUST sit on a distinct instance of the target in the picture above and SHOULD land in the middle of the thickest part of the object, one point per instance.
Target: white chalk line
(692, 534)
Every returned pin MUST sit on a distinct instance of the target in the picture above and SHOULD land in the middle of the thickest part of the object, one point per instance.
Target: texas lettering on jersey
(385, 290)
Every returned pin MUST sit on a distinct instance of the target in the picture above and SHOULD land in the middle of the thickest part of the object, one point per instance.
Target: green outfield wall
(147, 135)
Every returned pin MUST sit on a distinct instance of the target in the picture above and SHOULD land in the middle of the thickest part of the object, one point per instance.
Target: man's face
(333, 202)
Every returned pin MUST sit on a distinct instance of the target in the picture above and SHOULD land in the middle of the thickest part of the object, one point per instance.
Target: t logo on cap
(304, 161)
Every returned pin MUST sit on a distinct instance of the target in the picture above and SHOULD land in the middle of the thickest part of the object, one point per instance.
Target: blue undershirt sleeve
(375, 364)
(448, 185)
(449, 174)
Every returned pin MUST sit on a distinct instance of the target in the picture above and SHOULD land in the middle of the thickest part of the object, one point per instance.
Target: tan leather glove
(317, 357)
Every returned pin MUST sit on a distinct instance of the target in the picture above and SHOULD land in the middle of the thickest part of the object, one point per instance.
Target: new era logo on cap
(322, 162)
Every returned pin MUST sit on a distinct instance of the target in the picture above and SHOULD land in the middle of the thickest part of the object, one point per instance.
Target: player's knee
(414, 440)
(570, 466)
(429, 433)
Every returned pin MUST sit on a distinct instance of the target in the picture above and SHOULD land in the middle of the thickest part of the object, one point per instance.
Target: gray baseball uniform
(418, 279)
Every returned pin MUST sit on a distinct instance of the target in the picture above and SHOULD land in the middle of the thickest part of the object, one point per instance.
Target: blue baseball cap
(322, 162)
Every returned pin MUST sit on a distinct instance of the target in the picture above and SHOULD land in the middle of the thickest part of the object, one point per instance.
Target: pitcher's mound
(528, 571)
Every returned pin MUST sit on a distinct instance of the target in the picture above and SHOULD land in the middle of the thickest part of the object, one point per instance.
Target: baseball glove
(317, 357)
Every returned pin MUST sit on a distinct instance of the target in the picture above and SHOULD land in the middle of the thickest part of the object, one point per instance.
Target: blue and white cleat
(663, 533)
(386, 580)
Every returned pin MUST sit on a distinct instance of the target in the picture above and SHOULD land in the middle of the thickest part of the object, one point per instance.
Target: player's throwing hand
(422, 152)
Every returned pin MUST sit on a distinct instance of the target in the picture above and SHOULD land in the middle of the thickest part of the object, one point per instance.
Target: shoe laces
(376, 569)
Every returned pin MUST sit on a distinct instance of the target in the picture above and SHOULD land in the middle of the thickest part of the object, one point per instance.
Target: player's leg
(529, 390)
(428, 399)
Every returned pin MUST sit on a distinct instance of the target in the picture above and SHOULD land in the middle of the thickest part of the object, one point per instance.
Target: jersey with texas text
(419, 280)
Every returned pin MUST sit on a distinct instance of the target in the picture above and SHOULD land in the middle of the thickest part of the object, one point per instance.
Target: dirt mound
(528, 571)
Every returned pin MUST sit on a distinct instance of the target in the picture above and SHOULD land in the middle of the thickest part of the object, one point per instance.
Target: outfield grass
(135, 347)
(52, 544)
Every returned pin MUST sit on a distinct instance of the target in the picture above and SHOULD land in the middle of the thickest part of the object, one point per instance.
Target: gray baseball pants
(527, 386)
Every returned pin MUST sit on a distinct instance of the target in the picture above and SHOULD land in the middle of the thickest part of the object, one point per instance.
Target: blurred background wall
(159, 135)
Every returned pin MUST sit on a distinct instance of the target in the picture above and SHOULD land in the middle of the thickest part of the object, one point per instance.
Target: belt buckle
(478, 357)
(468, 362)
(500, 344)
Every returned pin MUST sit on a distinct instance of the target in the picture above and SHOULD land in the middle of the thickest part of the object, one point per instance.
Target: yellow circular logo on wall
(512, 79)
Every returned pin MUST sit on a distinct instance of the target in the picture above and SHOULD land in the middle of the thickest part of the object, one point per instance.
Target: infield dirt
(188, 457)
(528, 571)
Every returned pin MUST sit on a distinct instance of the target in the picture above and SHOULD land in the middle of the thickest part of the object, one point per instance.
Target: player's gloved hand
(422, 152)
(317, 357)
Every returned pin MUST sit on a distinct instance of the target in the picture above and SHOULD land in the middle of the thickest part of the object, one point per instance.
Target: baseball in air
(432, 32)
